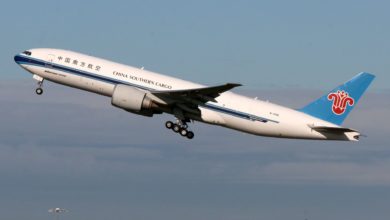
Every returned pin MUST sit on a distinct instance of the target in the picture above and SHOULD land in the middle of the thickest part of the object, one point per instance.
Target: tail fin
(336, 105)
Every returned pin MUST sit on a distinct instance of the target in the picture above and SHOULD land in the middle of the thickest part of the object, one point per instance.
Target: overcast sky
(71, 149)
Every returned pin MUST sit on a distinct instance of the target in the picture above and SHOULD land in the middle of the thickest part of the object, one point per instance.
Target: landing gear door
(50, 60)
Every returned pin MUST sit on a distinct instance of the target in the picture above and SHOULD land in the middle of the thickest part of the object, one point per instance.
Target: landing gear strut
(180, 127)
(39, 90)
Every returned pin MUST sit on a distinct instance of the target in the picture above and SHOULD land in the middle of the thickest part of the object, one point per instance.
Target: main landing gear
(181, 128)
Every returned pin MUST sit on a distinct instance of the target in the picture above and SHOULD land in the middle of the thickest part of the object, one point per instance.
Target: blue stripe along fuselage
(41, 63)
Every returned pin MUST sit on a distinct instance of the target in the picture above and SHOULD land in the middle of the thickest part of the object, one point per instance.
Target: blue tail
(338, 103)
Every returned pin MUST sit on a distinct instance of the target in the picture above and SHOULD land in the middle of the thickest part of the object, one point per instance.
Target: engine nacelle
(132, 99)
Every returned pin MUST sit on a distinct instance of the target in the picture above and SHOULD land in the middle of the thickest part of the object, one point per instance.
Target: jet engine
(133, 100)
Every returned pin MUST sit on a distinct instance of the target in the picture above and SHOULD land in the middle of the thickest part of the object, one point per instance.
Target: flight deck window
(27, 53)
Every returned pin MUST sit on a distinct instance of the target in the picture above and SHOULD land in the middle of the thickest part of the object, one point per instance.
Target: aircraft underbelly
(73, 80)
(271, 129)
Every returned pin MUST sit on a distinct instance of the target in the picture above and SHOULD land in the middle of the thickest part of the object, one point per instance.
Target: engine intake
(132, 99)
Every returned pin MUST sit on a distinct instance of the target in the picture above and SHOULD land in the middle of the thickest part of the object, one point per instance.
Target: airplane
(57, 210)
(147, 93)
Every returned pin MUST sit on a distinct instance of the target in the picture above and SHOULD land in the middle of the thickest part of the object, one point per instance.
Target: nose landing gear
(39, 90)
(180, 127)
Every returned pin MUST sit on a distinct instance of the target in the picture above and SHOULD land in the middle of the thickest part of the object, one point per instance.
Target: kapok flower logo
(340, 100)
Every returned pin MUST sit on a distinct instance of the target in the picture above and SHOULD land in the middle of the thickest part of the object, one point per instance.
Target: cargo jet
(147, 93)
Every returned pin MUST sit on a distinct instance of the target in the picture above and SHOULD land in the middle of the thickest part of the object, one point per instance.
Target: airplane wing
(189, 100)
(197, 95)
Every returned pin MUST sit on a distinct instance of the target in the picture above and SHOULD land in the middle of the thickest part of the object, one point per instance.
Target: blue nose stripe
(17, 59)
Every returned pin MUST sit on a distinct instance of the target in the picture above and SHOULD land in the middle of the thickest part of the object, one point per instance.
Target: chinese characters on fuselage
(79, 63)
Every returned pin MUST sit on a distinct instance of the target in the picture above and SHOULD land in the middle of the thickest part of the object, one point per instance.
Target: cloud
(322, 172)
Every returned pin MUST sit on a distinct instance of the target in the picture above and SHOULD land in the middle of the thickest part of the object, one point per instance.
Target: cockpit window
(27, 52)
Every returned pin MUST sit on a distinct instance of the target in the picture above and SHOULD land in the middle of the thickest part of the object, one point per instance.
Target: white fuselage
(231, 110)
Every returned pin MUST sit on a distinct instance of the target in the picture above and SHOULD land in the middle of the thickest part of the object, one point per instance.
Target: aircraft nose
(18, 59)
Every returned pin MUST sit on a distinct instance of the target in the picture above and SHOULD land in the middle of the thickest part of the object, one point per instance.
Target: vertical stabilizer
(335, 105)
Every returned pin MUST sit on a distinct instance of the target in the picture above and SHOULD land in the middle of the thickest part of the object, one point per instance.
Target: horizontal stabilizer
(331, 129)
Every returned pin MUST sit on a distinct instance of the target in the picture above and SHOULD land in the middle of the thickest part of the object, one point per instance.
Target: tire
(190, 135)
(176, 128)
(183, 132)
(39, 91)
(169, 124)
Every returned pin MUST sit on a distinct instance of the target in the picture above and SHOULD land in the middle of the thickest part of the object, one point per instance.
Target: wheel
(39, 91)
(190, 135)
(176, 128)
(183, 132)
(169, 124)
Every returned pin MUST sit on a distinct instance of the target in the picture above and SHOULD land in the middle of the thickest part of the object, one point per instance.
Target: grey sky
(72, 149)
